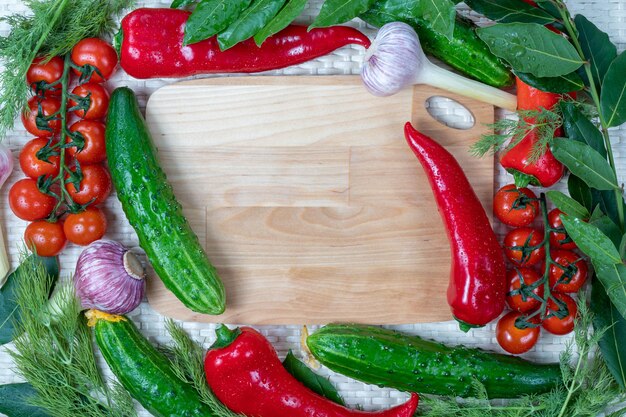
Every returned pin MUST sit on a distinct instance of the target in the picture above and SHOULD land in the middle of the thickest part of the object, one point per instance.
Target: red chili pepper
(477, 286)
(547, 170)
(245, 374)
(152, 47)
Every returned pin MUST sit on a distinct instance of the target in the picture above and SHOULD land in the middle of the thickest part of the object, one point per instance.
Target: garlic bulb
(109, 278)
(6, 168)
(396, 60)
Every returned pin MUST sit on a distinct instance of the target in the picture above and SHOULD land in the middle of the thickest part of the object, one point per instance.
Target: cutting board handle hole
(450, 112)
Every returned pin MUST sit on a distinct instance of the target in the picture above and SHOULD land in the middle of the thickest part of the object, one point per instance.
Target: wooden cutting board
(307, 198)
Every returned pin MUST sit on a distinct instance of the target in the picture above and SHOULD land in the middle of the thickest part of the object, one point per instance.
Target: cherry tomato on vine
(516, 302)
(557, 325)
(97, 98)
(573, 272)
(94, 149)
(97, 53)
(28, 203)
(34, 167)
(515, 206)
(518, 245)
(49, 106)
(95, 185)
(512, 339)
(45, 238)
(557, 239)
(49, 72)
(85, 227)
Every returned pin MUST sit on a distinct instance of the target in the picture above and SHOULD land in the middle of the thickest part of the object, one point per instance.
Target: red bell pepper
(151, 46)
(245, 374)
(477, 288)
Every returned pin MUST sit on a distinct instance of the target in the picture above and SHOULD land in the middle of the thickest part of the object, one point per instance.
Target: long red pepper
(152, 47)
(477, 286)
(244, 372)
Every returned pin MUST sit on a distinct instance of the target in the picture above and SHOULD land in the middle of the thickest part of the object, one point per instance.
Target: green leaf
(580, 191)
(508, 11)
(9, 312)
(580, 128)
(310, 379)
(15, 401)
(549, 7)
(568, 205)
(561, 84)
(608, 227)
(613, 97)
(613, 278)
(181, 4)
(440, 13)
(334, 12)
(596, 46)
(586, 163)
(253, 19)
(622, 247)
(287, 14)
(591, 241)
(211, 17)
(530, 47)
(612, 346)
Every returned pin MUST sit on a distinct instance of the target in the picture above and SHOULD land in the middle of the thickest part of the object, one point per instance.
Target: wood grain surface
(310, 204)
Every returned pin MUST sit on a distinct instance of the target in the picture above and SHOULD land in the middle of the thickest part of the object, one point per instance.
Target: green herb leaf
(181, 4)
(15, 401)
(591, 241)
(253, 19)
(581, 129)
(613, 278)
(596, 46)
(622, 247)
(606, 318)
(586, 163)
(530, 47)
(608, 227)
(561, 84)
(334, 12)
(568, 205)
(9, 310)
(310, 379)
(441, 14)
(287, 14)
(613, 96)
(509, 11)
(580, 191)
(211, 17)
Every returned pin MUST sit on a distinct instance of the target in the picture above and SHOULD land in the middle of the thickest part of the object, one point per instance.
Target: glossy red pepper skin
(477, 288)
(547, 170)
(247, 377)
(152, 47)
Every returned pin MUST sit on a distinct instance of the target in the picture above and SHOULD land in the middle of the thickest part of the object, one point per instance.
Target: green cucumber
(144, 371)
(391, 359)
(466, 52)
(151, 208)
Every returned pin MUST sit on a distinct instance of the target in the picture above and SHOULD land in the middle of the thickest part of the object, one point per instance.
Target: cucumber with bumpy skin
(151, 208)
(409, 363)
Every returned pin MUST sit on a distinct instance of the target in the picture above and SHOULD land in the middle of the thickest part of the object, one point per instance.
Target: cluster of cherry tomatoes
(564, 271)
(66, 179)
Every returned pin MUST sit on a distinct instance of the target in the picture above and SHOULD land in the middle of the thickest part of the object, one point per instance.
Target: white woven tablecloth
(609, 15)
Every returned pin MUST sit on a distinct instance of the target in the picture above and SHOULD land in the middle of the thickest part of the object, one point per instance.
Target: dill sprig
(187, 358)
(55, 352)
(51, 29)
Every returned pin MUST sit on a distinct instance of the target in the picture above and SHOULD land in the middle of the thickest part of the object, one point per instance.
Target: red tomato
(516, 302)
(512, 339)
(49, 73)
(45, 238)
(28, 203)
(97, 53)
(85, 227)
(565, 325)
(557, 239)
(49, 106)
(94, 150)
(518, 244)
(33, 166)
(94, 188)
(98, 101)
(515, 206)
(572, 266)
